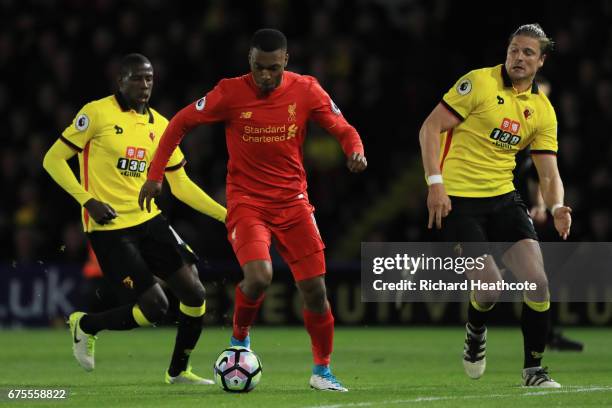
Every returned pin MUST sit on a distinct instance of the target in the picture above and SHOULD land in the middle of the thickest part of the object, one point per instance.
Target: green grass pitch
(382, 367)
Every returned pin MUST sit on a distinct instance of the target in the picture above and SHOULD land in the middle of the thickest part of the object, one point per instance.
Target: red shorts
(294, 229)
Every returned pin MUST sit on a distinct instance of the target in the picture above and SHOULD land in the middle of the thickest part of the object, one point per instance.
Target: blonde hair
(535, 31)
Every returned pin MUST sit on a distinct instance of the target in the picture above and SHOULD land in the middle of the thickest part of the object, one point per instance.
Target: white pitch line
(565, 390)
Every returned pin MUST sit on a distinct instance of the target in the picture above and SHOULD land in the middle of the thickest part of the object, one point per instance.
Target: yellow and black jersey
(116, 145)
(478, 155)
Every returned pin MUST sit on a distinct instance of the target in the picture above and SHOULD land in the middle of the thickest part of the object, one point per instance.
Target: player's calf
(245, 312)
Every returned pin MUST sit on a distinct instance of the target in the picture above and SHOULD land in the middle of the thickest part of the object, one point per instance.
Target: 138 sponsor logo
(134, 163)
(505, 135)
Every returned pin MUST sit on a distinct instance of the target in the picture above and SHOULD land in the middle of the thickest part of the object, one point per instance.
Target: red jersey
(264, 135)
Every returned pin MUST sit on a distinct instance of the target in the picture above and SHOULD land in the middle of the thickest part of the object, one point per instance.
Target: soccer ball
(237, 369)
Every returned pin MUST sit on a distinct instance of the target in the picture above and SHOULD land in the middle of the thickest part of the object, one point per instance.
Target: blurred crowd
(386, 64)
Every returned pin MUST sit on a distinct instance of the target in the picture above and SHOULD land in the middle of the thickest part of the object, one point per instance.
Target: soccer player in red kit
(265, 114)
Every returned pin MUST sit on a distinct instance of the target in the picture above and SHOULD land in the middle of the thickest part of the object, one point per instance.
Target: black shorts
(503, 218)
(131, 256)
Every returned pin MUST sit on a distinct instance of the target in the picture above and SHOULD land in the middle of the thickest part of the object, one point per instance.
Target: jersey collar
(125, 107)
(279, 88)
(508, 81)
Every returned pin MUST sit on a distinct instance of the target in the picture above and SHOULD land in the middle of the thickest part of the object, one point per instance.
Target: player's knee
(197, 294)
(541, 282)
(257, 278)
(541, 291)
(159, 308)
(316, 302)
(255, 286)
(314, 293)
(486, 299)
(154, 306)
(186, 285)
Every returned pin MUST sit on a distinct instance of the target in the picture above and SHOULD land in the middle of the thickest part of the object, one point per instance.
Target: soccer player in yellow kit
(484, 120)
(115, 139)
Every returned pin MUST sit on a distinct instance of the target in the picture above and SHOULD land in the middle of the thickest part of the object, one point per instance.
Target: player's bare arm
(552, 190)
(149, 190)
(538, 210)
(438, 202)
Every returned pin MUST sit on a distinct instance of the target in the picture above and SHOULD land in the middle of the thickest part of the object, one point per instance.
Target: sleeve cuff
(82, 199)
(355, 149)
(452, 110)
(70, 144)
(544, 152)
(176, 166)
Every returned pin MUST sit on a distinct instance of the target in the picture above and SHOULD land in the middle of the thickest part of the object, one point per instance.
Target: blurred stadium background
(386, 63)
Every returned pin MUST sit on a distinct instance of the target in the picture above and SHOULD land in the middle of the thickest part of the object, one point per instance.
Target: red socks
(320, 327)
(245, 311)
(321, 330)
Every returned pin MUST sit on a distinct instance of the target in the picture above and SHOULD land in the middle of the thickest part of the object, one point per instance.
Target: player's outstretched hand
(102, 213)
(356, 163)
(149, 190)
(438, 204)
(563, 221)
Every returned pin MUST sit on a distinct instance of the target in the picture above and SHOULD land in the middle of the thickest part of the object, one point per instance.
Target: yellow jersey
(115, 145)
(477, 156)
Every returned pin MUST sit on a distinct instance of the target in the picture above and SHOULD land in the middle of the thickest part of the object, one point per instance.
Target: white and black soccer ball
(237, 369)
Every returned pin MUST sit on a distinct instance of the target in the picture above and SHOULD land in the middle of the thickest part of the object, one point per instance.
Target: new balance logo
(118, 130)
(500, 100)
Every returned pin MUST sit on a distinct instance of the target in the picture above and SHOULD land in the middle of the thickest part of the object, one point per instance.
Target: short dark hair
(268, 40)
(129, 61)
(535, 31)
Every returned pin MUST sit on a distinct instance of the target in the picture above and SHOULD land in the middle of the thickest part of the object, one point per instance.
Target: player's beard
(267, 88)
